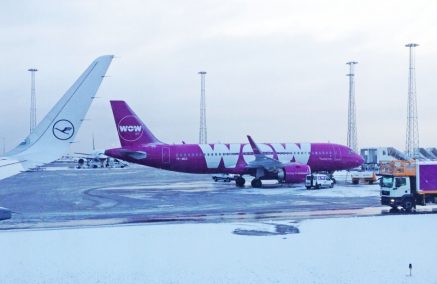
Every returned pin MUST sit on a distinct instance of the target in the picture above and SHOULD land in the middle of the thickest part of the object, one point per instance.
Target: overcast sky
(276, 69)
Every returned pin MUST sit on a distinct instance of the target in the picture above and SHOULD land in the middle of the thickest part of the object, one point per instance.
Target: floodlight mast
(352, 140)
(412, 135)
(32, 99)
(202, 131)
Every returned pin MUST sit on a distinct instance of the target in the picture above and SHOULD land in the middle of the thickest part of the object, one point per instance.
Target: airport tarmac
(71, 198)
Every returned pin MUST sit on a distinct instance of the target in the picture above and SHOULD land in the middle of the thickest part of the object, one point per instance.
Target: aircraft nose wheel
(256, 183)
(239, 181)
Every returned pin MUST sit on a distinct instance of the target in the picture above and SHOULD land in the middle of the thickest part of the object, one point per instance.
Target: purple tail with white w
(131, 130)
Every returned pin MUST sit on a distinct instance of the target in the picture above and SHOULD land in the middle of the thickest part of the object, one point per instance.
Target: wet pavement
(69, 198)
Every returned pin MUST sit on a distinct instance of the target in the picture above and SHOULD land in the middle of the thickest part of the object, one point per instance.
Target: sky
(276, 69)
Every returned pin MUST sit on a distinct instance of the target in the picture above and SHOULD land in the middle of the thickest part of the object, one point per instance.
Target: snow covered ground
(51, 199)
(337, 250)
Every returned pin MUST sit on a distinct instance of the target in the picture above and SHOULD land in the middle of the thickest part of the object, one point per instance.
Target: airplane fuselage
(234, 158)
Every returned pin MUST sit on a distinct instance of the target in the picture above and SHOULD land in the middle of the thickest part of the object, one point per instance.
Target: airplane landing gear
(239, 181)
(256, 183)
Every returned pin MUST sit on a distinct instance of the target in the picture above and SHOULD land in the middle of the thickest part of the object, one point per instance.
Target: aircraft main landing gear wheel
(256, 183)
(239, 181)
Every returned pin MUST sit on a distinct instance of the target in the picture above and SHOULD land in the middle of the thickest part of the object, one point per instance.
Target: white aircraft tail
(53, 135)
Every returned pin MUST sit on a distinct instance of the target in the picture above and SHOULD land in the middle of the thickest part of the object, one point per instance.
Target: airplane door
(165, 155)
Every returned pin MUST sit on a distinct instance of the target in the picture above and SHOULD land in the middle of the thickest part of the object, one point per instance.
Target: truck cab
(398, 191)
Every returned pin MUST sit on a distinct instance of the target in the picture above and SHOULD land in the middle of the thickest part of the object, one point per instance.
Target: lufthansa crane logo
(63, 129)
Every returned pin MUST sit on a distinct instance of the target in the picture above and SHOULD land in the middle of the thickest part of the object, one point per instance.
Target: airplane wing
(53, 135)
(262, 162)
(83, 154)
(93, 155)
(10, 167)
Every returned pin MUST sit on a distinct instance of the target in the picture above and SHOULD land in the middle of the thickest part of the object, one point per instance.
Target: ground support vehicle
(318, 181)
(408, 183)
(363, 177)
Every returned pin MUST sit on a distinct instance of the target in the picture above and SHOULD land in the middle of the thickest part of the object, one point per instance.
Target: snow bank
(341, 250)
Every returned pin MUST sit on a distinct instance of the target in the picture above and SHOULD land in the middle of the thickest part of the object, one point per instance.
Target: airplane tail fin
(54, 134)
(131, 130)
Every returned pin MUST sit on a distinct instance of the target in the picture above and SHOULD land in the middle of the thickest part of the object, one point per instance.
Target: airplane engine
(80, 163)
(294, 173)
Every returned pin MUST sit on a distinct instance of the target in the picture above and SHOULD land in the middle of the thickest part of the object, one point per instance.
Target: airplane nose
(359, 160)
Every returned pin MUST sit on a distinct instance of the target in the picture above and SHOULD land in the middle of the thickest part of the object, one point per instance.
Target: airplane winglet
(255, 147)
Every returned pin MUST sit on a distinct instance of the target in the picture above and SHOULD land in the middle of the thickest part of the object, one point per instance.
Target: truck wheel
(355, 181)
(332, 185)
(394, 209)
(334, 181)
(408, 205)
(317, 186)
(308, 187)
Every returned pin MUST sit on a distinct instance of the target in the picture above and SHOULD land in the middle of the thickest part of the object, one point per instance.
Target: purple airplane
(285, 162)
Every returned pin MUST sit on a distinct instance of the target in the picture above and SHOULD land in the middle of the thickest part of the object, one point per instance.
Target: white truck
(409, 184)
(318, 181)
